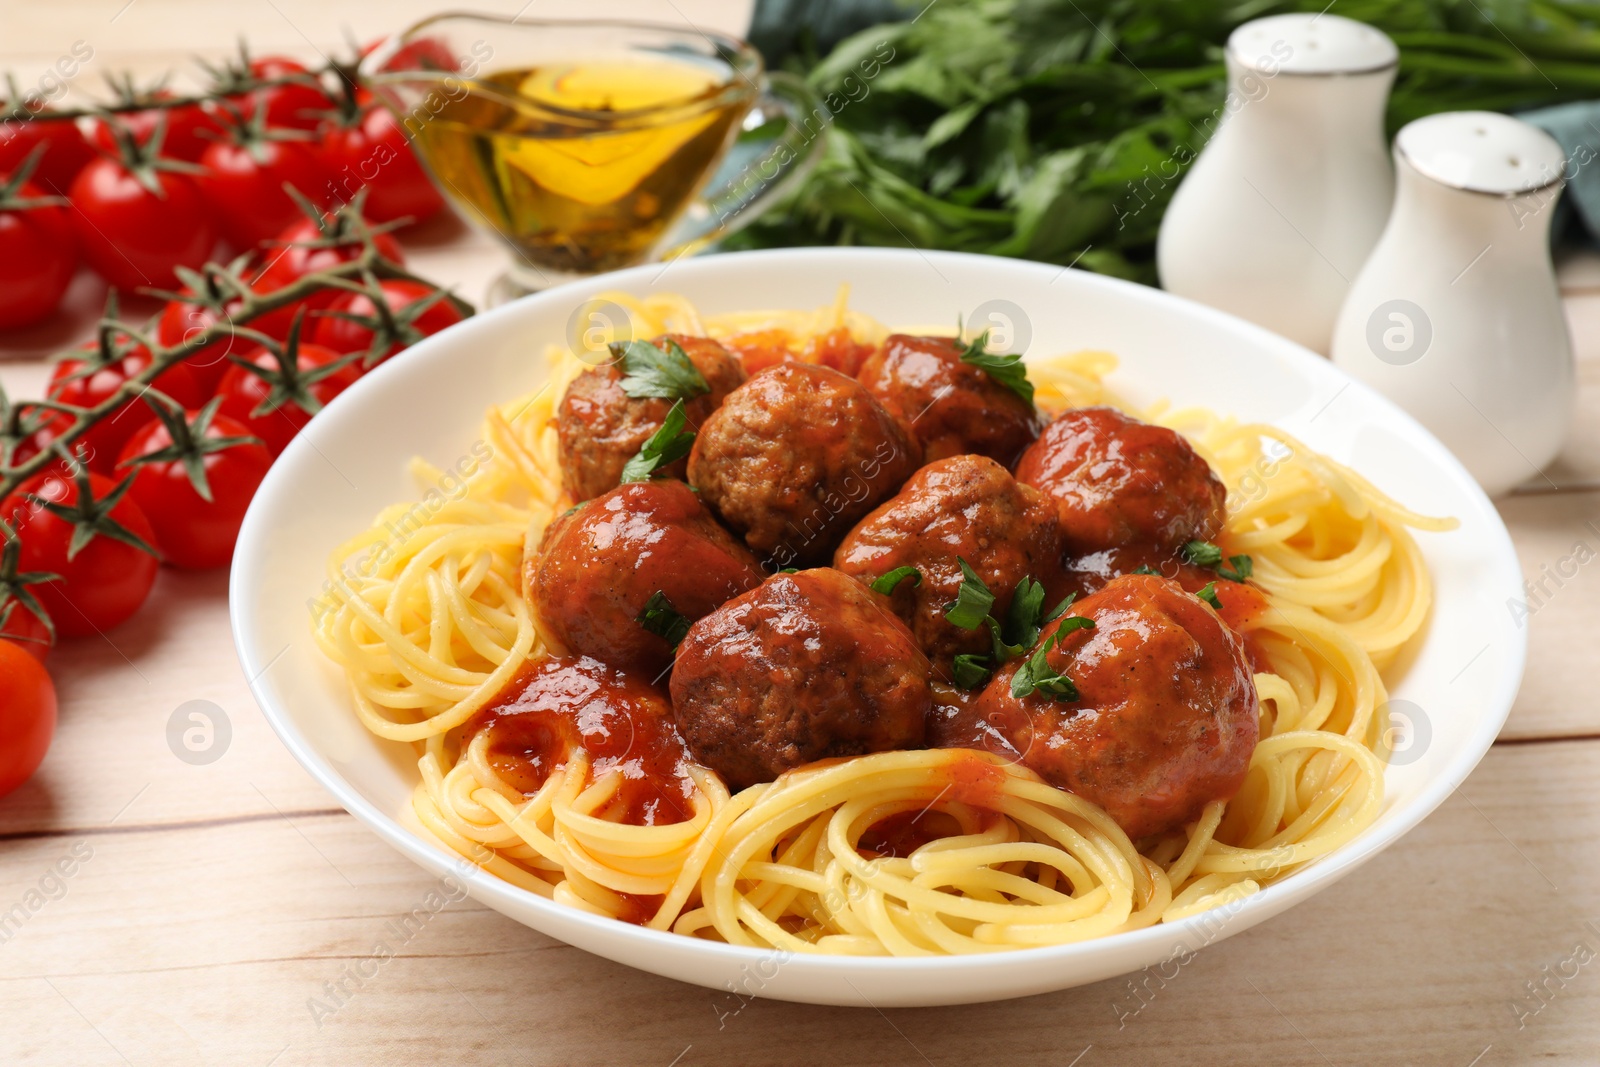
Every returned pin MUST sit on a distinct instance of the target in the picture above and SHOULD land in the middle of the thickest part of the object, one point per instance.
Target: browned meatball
(808, 666)
(964, 507)
(1166, 717)
(1118, 481)
(599, 427)
(953, 406)
(600, 564)
(795, 457)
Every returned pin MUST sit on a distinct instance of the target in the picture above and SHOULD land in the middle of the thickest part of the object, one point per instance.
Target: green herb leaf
(973, 600)
(886, 584)
(1008, 370)
(1146, 569)
(1202, 553)
(1037, 675)
(665, 447)
(1060, 609)
(662, 619)
(1209, 595)
(666, 373)
(971, 671)
(1239, 568)
(1022, 617)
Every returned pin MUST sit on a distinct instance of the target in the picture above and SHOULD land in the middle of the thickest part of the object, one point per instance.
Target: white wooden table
(231, 913)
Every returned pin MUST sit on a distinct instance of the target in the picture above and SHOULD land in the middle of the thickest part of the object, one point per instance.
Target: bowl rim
(1270, 900)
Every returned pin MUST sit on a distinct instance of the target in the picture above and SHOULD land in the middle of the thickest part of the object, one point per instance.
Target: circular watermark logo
(1399, 332)
(1010, 329)
(593, 327)
(1407, 735)
(199, 732)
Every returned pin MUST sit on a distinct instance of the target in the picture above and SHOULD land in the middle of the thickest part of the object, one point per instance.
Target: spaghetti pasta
(428, 615)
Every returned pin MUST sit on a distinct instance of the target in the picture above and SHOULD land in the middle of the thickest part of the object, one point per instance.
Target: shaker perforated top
(1311, 44)
(1482, 152)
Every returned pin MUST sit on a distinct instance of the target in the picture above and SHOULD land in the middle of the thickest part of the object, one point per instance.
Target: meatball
(810, 665)
(599, 427)
(953, 406)
(600, 564)
(1118, 481)
(796, 456)
(1166, 716)
(961, 508)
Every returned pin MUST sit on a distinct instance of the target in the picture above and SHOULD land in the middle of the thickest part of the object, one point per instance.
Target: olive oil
(594, 160)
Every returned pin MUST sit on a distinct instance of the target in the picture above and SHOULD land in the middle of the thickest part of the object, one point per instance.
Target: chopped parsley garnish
(971, 671)
(1037, 676)
(1206, 554)
(973, 600)
(1005, 369)
(886, 584)
(665, 447)
(1209, 595)
(666, 373)
(662, 619)
(1146, 569)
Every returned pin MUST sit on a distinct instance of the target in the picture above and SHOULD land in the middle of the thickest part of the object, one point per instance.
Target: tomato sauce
(556, 706)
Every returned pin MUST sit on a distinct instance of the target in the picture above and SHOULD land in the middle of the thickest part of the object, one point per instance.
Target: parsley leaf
(666, 372)
(1059, 610)
(1007, 370)
(971, 671)
(662, 619)
(1209, 595)
(1146, 569)
(888, 582)
(1022, 617)
(665, 447)
(1202, 553)
(1036, 675)
(973, 600)
(1239, 568)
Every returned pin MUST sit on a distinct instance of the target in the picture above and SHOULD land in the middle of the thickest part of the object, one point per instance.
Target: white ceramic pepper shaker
(1456, 316)
(1283, 205)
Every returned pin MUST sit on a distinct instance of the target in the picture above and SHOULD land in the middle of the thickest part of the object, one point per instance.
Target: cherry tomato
(34, 431)
(424, 53)
(190, 530)
(67, 152)
(25, 628)
(179, 321)
(133, 236)
(242, 391)
(293, 257)
(106, 580)
(342, 335)
(373, 153)
(291, 106)
(244, 185)
(38, 255)
(27, 715)
(104, 440)
(190, 129)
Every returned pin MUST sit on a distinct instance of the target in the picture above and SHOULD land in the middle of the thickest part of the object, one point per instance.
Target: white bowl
(430, 401)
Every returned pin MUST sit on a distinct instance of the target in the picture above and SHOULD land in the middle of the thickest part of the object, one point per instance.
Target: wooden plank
(1421, 957)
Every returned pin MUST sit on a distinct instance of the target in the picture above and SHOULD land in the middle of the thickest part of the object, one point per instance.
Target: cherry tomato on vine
(25, 629)
(294, 105)
(194, 473)
(138, 220)
(30, 429)
(190, 129)
(369, 150)
(66, 152)
(110, 575)
(27, 715)
(308, 246)
(87, 380)
(244, 181)
(22, 618)
(414, 310)
(423, 53)
(288, 391)
(38, 253)
(180, 320)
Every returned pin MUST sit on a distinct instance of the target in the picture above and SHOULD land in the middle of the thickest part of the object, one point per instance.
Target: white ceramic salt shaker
(1283, 205)
(1457, 316)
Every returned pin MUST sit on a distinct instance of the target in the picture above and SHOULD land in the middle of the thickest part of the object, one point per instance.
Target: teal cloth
(1576, 128)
